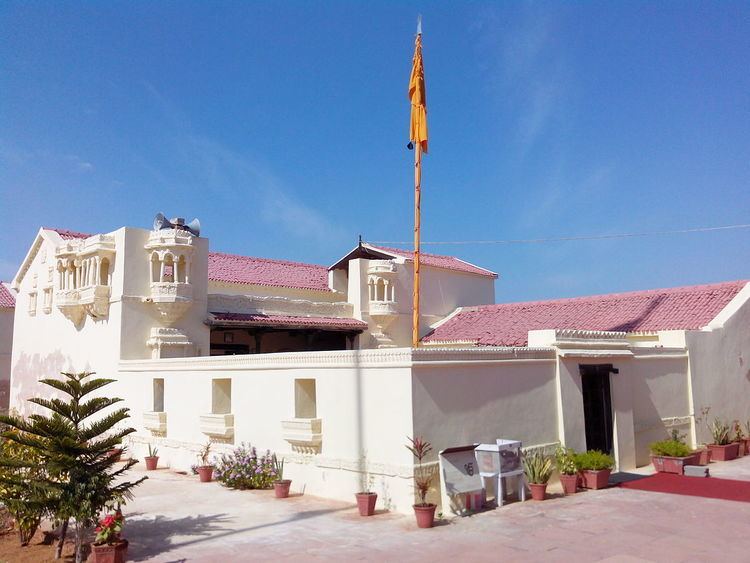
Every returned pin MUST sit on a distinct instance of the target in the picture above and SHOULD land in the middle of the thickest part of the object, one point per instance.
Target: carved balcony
(383, 309)
(385, 268)
(304, 434)
(95, 300)
(156, 422)
(170, 300)
(219, 426)
(69, 303)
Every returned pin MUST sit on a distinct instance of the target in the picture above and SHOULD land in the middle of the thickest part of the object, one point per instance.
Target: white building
(313, 363)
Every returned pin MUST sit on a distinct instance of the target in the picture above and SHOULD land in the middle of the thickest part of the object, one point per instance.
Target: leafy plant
(566, 460)
(75, 467)
(278, 466)
(205, 453)
(422, 477)
(245, 469)
(26, 502)
(366, 480)
(677, 436)
(738, 435)
(670, 448)
(537, 466)
(152, 451)
(719, 432)
(109, 529)
(594, 460)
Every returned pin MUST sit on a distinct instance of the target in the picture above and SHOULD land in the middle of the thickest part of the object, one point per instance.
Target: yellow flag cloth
(418, 127)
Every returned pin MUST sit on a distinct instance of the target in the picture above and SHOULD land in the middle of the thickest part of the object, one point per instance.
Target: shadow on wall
(29, 369)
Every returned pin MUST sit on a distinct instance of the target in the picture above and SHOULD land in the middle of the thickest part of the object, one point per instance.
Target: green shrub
(26, 502)
(537, 466)
(670, 448)
(566, 461)
(720, 432)
(594, 460)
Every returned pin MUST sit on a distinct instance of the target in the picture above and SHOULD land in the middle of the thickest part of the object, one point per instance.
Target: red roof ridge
(274, 260)
(66, 233)
(624, 294)
(7, 297)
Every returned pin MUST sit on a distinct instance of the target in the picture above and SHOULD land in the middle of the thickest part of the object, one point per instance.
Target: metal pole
(417, 203)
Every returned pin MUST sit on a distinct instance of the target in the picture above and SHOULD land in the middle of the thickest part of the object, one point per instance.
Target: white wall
(363, 399)
(720, 366)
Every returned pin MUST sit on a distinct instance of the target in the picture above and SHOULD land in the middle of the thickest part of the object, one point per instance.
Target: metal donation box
(461, 486)
(498, 462)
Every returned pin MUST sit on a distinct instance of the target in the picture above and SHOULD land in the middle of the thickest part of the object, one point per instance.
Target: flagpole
(417, 225)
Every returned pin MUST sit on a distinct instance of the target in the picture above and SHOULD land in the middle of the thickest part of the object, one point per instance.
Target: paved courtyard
(176, 518)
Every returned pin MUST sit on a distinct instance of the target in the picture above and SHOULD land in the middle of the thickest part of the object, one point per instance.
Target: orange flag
(418, 127)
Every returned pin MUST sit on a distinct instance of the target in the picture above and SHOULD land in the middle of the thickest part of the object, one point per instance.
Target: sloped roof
(7, 299)
(508, 324)
(232, 268)
(66, 234)
(366, 250)
(287, 321)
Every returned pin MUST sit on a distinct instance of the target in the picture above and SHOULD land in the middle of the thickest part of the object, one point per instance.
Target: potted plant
(366, 498)
(566, 466)
(670, 456)
(280, 485)
(747, 437)
(722, 448)
(739, 438)
(704, 453)
(538, 469)
(423, 511)
(109, 547)
(116, 452)
(152, 459)
(595, 468)
(205, 470)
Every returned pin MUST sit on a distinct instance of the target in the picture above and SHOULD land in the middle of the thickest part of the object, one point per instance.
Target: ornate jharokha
(381, 287)
(84, 276)
(170, 253)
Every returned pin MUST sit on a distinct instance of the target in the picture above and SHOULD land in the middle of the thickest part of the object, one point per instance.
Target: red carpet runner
(708, 487)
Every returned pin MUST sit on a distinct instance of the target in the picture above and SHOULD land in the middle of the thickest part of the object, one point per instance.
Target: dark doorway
(597, 406)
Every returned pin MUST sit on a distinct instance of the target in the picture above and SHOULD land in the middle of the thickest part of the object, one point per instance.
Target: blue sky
(283, 125)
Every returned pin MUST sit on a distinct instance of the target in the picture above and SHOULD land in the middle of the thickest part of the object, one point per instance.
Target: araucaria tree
(73, 443)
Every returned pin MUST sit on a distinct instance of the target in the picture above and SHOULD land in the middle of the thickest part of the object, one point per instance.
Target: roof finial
(360, 241)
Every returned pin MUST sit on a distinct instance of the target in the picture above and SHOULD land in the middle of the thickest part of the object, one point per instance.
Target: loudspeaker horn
(161, 222)
(194, 227)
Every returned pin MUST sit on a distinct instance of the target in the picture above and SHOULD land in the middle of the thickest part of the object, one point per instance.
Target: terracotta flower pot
(110, 553)
(724, 453)
(206, 472)
(425, 515)
(668, 464)
(115, 453)
(747, 445)
(151, 462)
(704, 456)
(538, 490)
(569, 483)
(596, 479)
(281, 488)
(366, 503)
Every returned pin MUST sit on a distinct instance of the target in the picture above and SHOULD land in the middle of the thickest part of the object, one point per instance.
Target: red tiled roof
(66, 234)
(232, 268)
(508, 324)
(287, 321)
(438, 261)
(7, 299)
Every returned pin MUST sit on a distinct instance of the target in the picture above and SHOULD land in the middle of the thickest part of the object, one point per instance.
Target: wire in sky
(573, 238)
